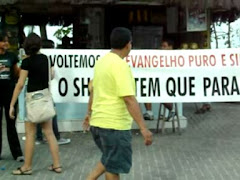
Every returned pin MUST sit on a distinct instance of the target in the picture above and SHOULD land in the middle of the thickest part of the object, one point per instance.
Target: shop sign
(196, 19)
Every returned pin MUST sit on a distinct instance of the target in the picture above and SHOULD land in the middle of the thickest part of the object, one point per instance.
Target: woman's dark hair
(119, 38)
(32, 44)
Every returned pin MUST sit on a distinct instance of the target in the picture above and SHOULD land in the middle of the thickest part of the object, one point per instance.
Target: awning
(209, 4)
(201, 4)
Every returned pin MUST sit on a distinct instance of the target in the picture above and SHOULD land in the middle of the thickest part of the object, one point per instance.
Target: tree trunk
(215, 33)
(229, 35)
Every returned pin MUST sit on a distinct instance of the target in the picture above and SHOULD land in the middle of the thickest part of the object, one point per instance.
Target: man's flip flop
(55, 169)
(19, 171)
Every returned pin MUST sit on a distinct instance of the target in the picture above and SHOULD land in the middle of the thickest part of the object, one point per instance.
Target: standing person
(112, 102)
(47, 43)
(165, 45)
(9, 73)
(35, 67)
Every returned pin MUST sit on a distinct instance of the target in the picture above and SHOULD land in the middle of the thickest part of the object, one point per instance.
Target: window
(54, 33)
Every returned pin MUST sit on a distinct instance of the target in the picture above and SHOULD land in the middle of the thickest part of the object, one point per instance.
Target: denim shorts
(116, 149)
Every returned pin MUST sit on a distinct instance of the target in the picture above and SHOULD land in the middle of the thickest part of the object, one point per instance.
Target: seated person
(165, 45)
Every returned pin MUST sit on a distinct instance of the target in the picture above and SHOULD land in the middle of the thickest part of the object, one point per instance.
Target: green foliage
(63, 31)
(225, 34)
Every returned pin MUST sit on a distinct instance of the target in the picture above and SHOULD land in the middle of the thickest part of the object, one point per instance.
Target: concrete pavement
(209, 149)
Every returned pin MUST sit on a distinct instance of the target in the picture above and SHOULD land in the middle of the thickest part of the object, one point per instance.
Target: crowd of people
(12, 80)
(110, 125)
(35, 67)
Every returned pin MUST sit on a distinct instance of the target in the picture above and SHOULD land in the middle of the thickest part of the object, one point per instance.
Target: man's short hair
(32, 44)
(169, 41)
(120, 37)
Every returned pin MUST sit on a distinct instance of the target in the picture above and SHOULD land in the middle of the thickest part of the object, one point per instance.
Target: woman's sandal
(19, 171)
(55, 169)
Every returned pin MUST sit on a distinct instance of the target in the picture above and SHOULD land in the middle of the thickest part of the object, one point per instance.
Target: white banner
(161, 75)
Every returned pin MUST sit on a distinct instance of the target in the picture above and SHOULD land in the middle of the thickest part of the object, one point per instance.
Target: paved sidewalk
(209, 149)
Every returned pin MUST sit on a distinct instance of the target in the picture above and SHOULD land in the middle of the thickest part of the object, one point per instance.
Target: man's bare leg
(111, 176)
(96, 172)
(148, 106)
(149, 114)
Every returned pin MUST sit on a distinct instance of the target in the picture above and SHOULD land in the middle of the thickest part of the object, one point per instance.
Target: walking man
(112, 106)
